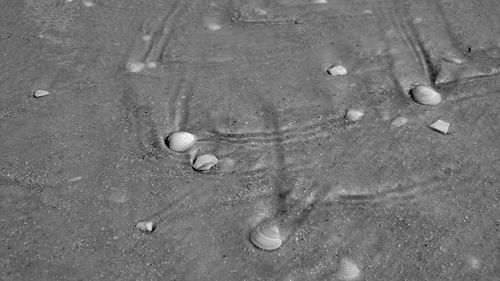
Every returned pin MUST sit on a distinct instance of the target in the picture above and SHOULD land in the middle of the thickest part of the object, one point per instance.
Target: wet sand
(354, 200)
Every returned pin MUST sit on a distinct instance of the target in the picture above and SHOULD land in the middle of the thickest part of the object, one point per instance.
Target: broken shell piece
(266, 236)
(348, 270)
(181, 141)
(354, 114)
(135, 66)
(399, 121)
(146, 226)
(440, 126)
(40, 93)
(338, 70)
(205, 162)
(425, 95)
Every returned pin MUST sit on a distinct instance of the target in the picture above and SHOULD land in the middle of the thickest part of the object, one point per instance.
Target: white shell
(181, 141)
(399, 121)
(440, 126)
(266, 236)
(425, 95)
(338, 70)
(146, 226)
(40, 93)
(348, 270)
(205, 162)
(354, 114)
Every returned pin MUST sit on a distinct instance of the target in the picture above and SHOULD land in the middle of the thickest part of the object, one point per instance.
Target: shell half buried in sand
(354, 114)
(205, 162)
(338, 70)
(181, 141)
(348, 270)
(399, 121)
(146, 226)
(425, 95)
(266, 236)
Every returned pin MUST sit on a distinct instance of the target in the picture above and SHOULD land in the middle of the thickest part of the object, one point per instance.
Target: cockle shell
(348, 270)
(266, 236)
(440, 126)
(338, 70)
(425, 95)
(181, 141)
(354, 114)
(146, 226)
(205, 162)
(399, 121)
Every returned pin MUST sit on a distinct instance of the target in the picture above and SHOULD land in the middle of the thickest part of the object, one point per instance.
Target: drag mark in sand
(152, 44)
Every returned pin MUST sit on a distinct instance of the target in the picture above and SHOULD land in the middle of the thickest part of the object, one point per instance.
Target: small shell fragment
(425, 95)
(146, 226)
(40, 93)
(338, 70)
(348, 270)
(181, 141)
(205, 162)
(399, 121)
(354, 114)
(440, 126)
(266, 236)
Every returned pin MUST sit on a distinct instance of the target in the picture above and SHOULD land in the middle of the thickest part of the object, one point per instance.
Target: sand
(82, 166)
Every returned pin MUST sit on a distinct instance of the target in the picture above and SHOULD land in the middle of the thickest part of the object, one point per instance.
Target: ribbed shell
(354, 114)
(425, 95)
(266, 237)
(348, 270)
(180, 141)
(398, 122)
(205, 162)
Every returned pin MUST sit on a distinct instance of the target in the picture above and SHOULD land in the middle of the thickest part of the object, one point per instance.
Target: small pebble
(75, 179)
(354, 114)
(213, 26)
(146, 226)
(40, 93)
(440, 126)
(135, 66)
(87, 3)
(338, 70)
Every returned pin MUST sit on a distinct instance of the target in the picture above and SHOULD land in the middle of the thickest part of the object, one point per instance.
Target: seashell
(338, 70)
(354, 114)
(266, 236)
(425, 95)
(40, 93)
(181, 141)
(146, 226)
(348, 270)
(205, 162)
(399, 121)
(440, 126)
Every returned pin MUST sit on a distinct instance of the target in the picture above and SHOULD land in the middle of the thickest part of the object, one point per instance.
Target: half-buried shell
(266, 236)
(181, 141)
(399, 121)
(348, 270)
(354, 115)
(425, 95)
(205, 162)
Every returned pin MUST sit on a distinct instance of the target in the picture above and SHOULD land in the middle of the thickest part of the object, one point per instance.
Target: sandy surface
(81, 166)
